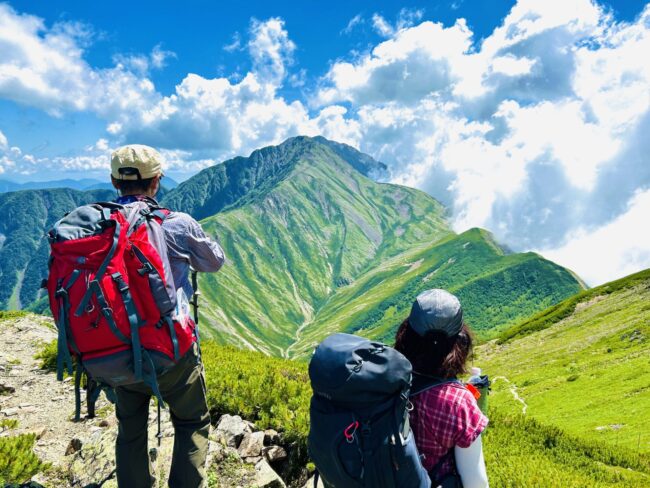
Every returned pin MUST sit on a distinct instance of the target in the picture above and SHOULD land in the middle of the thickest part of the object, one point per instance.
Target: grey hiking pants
(183, 389)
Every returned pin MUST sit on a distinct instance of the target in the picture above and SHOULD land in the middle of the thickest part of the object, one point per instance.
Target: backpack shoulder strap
(421, 383)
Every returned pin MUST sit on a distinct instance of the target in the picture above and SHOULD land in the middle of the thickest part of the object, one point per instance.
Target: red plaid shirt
(443, 417)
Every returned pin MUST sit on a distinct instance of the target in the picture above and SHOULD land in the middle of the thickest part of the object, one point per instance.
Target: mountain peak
(225, 184)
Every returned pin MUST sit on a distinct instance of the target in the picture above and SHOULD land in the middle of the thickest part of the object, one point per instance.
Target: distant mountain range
(82, 184)
(314, 244)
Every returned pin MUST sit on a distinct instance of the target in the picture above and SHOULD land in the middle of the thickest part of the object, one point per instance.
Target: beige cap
(127, 159)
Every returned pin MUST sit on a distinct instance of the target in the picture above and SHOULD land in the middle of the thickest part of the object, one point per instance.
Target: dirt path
(45, 406)
(513, 391)
(38, 402)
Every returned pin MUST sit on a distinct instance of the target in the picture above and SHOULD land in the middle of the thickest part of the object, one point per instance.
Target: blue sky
(527, 117)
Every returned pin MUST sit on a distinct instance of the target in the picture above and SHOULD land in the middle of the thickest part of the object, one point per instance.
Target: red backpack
(113, 297)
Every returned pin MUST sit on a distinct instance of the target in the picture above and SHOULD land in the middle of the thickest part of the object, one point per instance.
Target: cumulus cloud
(620, 247)
(44, 68)
(538, 132)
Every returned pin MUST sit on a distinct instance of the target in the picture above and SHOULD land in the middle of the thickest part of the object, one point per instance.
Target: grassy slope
(290, 249)
(496, 289)
(520, 452)
(588, 372)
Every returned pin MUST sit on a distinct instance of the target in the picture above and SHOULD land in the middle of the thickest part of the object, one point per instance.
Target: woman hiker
(446, 420)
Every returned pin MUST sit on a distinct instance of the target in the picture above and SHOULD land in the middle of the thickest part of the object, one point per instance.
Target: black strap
(65, 338)
(421, 383)
(316, 476)
(134, 321)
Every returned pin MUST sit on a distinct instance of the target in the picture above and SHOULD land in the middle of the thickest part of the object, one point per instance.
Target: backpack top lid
(351, 370)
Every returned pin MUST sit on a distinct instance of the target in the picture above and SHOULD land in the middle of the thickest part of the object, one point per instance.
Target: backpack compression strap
(102, 268)
(421, 383)
(65, 340)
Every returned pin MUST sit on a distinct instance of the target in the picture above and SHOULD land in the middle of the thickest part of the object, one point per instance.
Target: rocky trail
(81, 454)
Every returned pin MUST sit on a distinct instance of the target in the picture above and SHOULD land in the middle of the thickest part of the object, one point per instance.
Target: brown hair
(435, 354)
(131, 187)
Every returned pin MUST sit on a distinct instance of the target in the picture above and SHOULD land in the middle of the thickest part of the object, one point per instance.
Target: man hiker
(135, 173)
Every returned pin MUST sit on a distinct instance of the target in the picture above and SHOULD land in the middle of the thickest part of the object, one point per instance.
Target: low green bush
(18, 463)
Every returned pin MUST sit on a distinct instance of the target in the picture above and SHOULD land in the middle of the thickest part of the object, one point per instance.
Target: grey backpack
(359, 428)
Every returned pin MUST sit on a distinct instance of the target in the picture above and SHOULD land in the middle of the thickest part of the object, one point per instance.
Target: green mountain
(315, 246)
(240, 180)
(581, 365)
(27, 216)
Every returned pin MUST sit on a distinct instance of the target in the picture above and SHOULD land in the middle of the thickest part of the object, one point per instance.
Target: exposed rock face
(251, 445)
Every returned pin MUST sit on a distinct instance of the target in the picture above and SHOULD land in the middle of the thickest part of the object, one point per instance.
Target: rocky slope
(82, 453)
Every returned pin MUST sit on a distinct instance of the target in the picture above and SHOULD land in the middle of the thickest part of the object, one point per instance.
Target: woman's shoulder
(452, 395)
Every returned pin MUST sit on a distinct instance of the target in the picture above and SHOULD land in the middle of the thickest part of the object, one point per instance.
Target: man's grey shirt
(188, 245)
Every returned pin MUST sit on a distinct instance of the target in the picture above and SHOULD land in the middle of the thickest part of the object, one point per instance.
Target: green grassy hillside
(496, 289)
(293, 247)
(27, 216)
(520, 451)
(325, 248)
(583, 366)
(313, 245)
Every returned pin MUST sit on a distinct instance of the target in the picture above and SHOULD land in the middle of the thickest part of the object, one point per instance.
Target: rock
(94, 462)
(216, 454)
(253, 460)
(10, 412)
(6, 389)
(231, 429)
(274, 454)
(265, 477)
(104, 423)
(271, 437)
(251, 445)
(74, 446)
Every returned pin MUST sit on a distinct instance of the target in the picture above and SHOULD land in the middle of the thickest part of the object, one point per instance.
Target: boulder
(274, 454)
(265, 477)
(230, 430)
(251, 444)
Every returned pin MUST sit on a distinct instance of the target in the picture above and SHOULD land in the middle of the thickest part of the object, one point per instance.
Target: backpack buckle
(122, 286)
(146, 269)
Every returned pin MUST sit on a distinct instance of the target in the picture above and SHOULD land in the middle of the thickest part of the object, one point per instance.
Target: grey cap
(436, 310)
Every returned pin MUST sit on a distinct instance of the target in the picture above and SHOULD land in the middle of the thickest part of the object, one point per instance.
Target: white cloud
(616, 249)
(44, 68)
(382, 26)
(538, 132)
(270, 48)
(405, 18)
(521, 134)
(354, 21)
